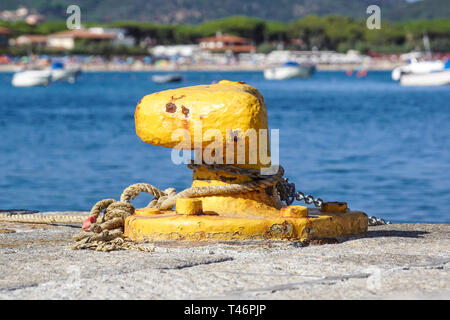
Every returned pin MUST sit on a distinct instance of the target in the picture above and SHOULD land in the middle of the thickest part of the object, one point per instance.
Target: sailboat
(432, 78)
(416, 69)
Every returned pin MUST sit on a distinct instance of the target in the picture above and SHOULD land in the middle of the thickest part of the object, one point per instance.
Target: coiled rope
(107, 233)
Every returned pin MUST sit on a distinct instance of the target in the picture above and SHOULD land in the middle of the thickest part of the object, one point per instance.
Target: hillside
(195, 11)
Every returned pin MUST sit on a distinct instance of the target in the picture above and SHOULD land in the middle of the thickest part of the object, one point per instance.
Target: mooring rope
(107, 234)
(41, 218)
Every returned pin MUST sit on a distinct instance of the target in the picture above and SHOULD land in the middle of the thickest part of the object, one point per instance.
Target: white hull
(65, 75)
(420, 67)
(287, 72)
(438, 78)
(31, 78)
(166, 78)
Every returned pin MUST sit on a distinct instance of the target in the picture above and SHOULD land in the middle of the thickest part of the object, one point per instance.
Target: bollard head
(204, 112)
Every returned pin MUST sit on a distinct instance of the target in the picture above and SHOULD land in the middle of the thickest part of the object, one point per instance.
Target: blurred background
(363, 113)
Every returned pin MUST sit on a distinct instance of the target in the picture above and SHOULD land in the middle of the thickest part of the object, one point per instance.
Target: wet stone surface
(391, 261)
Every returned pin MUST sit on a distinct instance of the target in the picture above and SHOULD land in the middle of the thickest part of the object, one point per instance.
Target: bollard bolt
(189, 206)
(294, 211)
(335, 207)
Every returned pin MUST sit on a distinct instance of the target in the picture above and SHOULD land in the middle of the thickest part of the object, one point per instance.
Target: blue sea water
(383, 148)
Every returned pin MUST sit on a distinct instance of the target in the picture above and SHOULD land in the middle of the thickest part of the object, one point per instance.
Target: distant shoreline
(107, 68)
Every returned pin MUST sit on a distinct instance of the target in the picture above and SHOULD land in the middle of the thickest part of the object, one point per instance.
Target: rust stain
(282, 231)
(185, 111)
(227, 179)
(175, 99)
(171, 107)
(335, 206)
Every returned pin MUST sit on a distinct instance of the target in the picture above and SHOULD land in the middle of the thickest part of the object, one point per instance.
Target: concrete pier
(406, 261)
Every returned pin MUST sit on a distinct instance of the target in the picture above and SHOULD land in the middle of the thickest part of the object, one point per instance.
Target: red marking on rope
(87, 223)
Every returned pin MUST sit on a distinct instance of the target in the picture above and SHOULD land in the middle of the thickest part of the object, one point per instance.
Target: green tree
(243, 26)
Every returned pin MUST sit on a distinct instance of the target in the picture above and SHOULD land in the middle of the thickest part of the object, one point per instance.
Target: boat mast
(426, 44)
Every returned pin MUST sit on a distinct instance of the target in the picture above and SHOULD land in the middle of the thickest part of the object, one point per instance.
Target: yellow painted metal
(171, 226)
(294, 211)
(223, 106)
(147, 212)
(334, 207)
(259, 214)
(264, 202)
(189, 206)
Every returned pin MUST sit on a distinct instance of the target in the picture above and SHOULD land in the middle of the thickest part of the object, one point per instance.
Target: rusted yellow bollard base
(168, 225)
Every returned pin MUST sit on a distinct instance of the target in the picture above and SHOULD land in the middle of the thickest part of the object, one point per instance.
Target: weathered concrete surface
(393, 261)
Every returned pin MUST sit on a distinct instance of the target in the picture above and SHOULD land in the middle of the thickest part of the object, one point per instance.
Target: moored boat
(60, 73)
(288, 70)
(433, 78)
(437, 78)
(31, 78)
(417, 67)
(165, 78)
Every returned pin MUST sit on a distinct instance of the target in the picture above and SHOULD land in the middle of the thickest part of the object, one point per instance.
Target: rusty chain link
(288, 194)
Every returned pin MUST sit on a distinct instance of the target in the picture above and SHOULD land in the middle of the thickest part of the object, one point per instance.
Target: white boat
(436, 78)
(288, 70)
(60, 73)
(417, 67)
(65, 75)
(165, 78)
(31, 78)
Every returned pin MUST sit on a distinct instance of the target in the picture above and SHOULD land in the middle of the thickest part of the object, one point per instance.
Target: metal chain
(286, 190)
(287, 193)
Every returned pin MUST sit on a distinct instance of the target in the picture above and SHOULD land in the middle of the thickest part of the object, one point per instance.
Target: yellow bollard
(212, 120)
